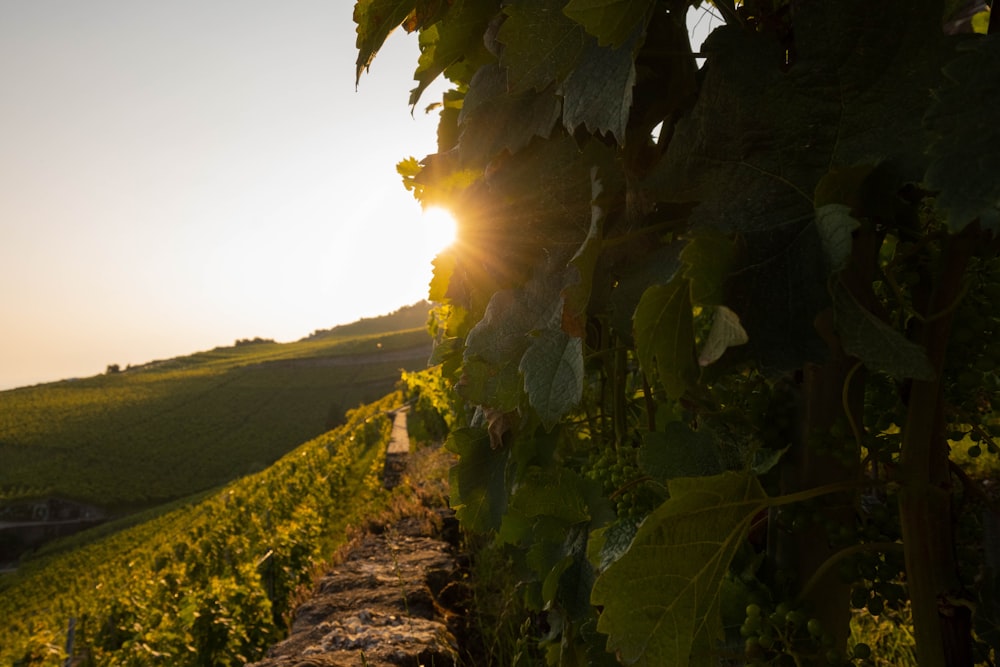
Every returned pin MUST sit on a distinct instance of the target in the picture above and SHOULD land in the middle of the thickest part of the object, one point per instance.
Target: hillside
(207, 583)
(171, 428)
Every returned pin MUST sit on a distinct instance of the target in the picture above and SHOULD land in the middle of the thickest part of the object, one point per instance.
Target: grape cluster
(622, 481)
(787, 636)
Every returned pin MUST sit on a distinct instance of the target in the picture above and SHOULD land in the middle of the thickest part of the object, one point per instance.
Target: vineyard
(208, 583)
(149, 434)
(720, 322)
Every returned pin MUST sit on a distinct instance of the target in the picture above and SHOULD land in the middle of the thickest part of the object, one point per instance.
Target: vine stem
(817, 491)
(823, 569)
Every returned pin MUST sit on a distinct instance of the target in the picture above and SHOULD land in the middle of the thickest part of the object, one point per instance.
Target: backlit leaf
(662, 598)
(664, 336)
(375, 20)
(458, 36)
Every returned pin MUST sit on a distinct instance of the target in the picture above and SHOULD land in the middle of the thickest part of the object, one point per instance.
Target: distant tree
(113, 368)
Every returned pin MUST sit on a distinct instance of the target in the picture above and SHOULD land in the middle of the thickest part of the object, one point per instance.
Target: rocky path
(396, 597)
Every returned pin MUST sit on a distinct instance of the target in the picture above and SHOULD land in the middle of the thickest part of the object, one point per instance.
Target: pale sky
(178, 174)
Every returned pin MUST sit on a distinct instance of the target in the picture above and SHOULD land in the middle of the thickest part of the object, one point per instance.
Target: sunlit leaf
(662, 598)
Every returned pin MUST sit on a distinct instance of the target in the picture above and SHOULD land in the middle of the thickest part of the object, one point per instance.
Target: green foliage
(173, 428)
(661, 599)
(207, 583)
(675, 288)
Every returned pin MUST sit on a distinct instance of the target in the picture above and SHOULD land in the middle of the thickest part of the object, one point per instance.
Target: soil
(396, 597)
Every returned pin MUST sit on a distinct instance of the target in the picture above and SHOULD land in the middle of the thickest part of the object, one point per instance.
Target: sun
(439, 229)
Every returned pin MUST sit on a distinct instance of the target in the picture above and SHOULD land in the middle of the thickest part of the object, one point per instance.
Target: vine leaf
(662, 598)
(836, 225)
(874, 342)
(664, 335)
(553, 374)
(598, 92)
(478, 480)
(456, 38)
(726, 332)
(612, 22)
(542, 44)
(375, 20)
(493, 120)
(966, 152)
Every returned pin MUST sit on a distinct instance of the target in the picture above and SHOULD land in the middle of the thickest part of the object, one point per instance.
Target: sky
(177, 175)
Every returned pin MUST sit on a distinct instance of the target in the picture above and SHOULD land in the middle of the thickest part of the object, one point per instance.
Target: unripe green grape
(814, 627)
(753, 610)
(974, 451)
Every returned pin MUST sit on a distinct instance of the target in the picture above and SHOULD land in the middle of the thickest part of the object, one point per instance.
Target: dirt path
(395, 598)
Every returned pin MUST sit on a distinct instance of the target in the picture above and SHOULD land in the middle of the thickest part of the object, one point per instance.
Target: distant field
(171, 428)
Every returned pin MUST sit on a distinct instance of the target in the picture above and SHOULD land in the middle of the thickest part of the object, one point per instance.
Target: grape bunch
(618, 472)
(786, 636)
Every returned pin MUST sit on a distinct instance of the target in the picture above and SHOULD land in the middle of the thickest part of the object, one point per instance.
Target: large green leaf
(492, 120)
(598, 92)
(375, 20)
(478, 480)
(612, 22)
(553, 374)
(541, 44)
(966, 150)
(664, 336)
(662, 598)
(878, 345)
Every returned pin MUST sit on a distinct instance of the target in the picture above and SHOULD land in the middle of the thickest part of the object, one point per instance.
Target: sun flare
(439, 229)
